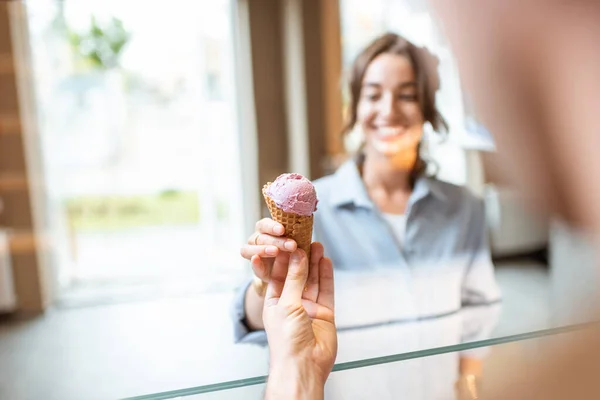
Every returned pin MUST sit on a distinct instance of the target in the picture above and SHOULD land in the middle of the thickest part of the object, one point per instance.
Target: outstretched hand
(299, 320)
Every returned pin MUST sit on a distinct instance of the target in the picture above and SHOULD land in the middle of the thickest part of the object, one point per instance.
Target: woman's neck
(381, 175)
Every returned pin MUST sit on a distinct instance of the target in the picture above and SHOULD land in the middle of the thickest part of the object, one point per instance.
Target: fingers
(318, 311)
(311, 291)
(259, 268)
(248, 251)
(268, 232)
(268, 226)
(278, 273)
(266, 241)
(295, 279)
(326, 291)
(263, 239)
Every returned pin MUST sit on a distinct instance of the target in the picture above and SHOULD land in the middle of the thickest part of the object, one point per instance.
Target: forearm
(295, 381)
(253, 304)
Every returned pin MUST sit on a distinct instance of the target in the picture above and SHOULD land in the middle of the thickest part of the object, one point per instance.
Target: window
(137, 119)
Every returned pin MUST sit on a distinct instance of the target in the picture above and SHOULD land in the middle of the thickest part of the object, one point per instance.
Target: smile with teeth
(390, 132)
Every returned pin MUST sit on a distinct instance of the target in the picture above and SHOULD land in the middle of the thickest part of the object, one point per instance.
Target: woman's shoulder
(324, 183)
(325, 186)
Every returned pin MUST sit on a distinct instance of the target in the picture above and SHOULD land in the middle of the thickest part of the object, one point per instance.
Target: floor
(120, 350)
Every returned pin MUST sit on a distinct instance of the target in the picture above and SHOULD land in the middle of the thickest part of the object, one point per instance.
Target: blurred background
(134, 139)
(129, 110)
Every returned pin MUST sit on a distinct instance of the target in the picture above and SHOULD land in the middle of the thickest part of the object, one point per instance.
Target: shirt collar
(348, 187)
(425, 186)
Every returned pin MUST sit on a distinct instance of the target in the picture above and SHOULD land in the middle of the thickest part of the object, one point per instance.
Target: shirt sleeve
(479, 284)
(241, 332)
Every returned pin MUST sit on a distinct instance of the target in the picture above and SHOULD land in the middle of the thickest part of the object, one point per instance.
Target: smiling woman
(392, 87)
(391, 230)
(389, 108)
(380, 215)
(404, 245)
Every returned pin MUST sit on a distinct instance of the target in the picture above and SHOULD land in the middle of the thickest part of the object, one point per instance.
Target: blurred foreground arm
(533, 71)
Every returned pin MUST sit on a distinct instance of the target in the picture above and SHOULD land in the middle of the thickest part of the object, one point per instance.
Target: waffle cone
(297, 227)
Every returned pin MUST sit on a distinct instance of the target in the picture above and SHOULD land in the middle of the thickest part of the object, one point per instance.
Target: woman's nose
(387, 106)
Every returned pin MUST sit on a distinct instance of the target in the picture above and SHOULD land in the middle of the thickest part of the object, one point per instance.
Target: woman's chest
(357, 239)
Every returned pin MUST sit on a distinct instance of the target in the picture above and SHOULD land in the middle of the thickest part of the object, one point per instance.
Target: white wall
(574, 275)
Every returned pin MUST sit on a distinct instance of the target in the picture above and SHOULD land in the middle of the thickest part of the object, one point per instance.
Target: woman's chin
(387, 148)
(398, 155)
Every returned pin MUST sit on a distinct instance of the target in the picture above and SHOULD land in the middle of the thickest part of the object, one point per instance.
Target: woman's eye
(372, 96)
(408, 97)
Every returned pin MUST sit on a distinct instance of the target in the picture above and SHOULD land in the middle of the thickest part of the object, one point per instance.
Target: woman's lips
(389, 133)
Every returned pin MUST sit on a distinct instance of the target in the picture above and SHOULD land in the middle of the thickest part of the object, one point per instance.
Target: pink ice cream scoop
(294, 193)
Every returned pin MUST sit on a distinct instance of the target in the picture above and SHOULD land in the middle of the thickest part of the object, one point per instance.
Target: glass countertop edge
(235, 384)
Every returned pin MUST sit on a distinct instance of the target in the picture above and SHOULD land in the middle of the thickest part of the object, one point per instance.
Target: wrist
(295, 380)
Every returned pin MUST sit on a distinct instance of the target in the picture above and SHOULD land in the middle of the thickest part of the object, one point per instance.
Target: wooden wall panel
(269, 96)
(17, 214)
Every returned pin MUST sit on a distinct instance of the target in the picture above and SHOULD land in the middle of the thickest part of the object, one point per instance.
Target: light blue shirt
(443, 263)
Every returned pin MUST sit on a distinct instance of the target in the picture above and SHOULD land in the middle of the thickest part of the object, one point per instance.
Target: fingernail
(290, 245)
(278, 230)
(271, 250)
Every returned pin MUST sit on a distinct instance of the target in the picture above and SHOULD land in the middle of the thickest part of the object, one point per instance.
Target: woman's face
(389, 111)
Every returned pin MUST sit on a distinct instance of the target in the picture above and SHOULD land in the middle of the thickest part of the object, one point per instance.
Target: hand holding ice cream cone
(291, 200)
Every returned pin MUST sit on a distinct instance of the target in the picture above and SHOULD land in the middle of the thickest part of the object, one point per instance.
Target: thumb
(296, 278)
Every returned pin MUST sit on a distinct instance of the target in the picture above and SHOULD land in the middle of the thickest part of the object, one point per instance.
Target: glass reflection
(422, 379)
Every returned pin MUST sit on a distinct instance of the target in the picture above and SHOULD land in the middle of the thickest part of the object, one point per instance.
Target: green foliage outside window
(100, 46)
